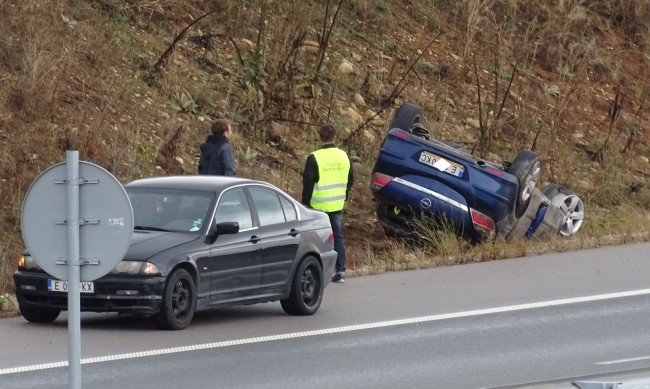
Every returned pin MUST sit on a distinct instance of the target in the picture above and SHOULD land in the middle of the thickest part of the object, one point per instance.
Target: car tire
(178, 302)
(519, 227)
(35, 315)
(306, 289)
(406, 116)
(526, 167)
(571, 206)
(552, 190)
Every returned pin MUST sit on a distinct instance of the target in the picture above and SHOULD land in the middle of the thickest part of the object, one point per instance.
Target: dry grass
(6, 281)
(81, 76)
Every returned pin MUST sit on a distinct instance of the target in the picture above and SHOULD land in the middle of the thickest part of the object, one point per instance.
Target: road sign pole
(73, 264)
(106, 216)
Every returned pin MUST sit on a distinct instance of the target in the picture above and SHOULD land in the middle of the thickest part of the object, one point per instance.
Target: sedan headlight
(143, 268)
(27, 262)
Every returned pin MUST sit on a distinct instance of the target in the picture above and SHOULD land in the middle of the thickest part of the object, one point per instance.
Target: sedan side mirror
(225, 228)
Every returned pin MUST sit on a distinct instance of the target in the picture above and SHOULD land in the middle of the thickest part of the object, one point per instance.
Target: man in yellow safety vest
(326, 182)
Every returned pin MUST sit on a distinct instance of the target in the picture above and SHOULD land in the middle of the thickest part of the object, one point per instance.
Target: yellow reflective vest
(333, 169)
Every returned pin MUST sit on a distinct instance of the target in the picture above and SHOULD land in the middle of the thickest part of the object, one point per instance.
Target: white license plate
(441, 164)
(62, 286)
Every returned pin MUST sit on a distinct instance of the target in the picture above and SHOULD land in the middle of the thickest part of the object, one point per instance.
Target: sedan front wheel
(179, 301)
(35, 315)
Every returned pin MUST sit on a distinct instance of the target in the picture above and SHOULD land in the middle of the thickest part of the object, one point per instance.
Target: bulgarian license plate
(62, 286)
(441, 164)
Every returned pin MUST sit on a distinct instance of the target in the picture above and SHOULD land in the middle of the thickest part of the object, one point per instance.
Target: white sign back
(105, 221)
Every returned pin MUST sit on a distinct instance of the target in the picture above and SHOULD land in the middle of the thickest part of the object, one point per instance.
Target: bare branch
(399, 87)
(390, 99)
(537, 133)
(505, 95)
(160, 64)
(325, 38)
(480, 108)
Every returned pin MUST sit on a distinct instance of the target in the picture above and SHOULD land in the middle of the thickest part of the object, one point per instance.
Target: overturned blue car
(417, 179)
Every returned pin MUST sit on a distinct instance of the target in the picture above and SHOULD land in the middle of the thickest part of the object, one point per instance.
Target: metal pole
(73, 263)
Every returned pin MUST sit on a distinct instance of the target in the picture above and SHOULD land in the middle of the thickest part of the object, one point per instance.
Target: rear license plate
(62, 286)
(441, 164)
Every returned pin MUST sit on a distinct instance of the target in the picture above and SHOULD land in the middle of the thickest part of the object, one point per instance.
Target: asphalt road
(512, 322)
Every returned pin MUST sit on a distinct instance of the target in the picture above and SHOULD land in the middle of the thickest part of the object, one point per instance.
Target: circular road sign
(105, 221)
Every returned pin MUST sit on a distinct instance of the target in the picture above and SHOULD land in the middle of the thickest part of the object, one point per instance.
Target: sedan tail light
(483, 224)
(379, 180)
(331, 238)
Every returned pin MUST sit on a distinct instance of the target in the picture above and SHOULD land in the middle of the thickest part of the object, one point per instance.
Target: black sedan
(200, 242)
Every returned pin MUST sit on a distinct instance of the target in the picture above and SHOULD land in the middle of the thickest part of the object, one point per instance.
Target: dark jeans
(336, 220)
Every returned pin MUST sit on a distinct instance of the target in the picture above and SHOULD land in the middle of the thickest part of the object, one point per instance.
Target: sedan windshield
(169, 210)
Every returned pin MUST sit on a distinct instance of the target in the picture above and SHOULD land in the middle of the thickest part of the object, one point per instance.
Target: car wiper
(148, 228)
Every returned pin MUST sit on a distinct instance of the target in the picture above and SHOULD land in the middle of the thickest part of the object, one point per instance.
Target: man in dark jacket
(217, 155)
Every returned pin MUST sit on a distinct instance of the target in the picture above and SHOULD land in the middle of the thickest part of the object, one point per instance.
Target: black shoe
(339, 277)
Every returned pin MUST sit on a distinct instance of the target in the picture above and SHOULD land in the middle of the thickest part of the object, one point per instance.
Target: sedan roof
(202, 183)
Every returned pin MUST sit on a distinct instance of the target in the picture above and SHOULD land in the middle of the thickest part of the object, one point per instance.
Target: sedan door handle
(294, 232)
(255, 239)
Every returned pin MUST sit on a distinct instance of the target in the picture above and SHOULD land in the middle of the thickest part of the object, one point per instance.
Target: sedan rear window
(289, 209)
(267, 203)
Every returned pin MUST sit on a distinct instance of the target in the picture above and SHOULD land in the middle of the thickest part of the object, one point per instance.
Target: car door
(234, 263)
(280, 231)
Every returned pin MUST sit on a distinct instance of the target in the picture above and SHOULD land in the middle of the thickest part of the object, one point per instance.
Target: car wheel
(406, 116)
(526, 168)
(179, 301)
(572, 207)
(34, 315)
(306, 289)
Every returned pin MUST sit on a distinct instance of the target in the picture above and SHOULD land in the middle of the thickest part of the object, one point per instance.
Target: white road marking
(623, 361)
(335, 330)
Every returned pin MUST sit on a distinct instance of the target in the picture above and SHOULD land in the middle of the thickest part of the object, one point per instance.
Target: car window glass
(289, 209)
(267, 203)
(233, 207)
(192, 212)
(171, 210)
